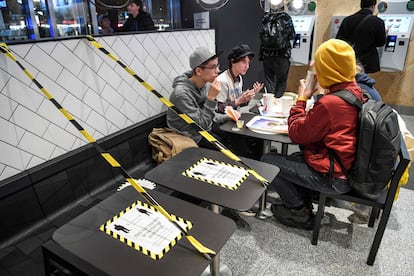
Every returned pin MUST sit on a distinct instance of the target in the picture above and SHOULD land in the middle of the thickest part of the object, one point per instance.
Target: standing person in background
(138, 19)
(105, 24)
(275, 49)
(231, 80)
(365, 32)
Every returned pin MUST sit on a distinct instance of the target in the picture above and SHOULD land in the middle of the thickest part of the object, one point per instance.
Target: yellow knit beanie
(335, 63)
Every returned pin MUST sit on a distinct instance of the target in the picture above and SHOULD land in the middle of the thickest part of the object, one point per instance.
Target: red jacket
(331, 123)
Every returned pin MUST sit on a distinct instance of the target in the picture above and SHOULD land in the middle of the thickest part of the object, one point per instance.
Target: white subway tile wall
(101, 96)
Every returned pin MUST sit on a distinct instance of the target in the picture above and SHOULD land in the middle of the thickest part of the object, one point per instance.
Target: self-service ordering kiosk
(303, 17)
(398, 20)
(302, 45)
(336, 22)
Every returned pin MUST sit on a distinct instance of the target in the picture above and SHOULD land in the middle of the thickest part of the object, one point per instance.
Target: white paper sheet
(146, 227)
(218, 173)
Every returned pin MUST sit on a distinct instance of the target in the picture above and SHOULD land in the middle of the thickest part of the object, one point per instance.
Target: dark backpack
(275, 33)
(379, 142)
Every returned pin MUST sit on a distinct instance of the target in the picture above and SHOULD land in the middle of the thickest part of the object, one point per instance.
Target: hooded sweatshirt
(193, 102)
(367, 83)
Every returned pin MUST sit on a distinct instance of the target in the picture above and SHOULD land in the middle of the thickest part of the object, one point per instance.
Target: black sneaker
(301, 218)
(240, 222)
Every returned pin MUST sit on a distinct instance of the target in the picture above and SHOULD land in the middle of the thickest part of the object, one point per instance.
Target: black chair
(383, 203)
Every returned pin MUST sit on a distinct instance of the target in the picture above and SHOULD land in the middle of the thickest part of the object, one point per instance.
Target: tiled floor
(25, 258)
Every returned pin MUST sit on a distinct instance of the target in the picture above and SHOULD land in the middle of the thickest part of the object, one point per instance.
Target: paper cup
(310, 80)
(240, 123)
(286, 102)
(268, 102)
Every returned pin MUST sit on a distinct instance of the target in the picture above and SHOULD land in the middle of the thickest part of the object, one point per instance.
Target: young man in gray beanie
(194, 93)
(365, 32)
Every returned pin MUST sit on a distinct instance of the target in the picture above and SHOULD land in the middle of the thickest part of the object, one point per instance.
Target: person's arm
(305, 128)
(223, 96)
(125, 28)
(201, 116)
(292, 33)
(341, 32)
(148, 23)
(221, 106)
(380, 34)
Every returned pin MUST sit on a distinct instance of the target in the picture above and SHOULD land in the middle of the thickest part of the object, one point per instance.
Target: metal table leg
(263, 212)
(284, 149)
(215, 269)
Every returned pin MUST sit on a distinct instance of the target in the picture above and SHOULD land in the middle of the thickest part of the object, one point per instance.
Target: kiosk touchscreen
(394, 52)
(302, 44)
(398, 17)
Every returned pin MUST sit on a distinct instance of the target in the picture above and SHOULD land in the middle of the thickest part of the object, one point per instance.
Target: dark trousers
(296, 180)
(276, 70)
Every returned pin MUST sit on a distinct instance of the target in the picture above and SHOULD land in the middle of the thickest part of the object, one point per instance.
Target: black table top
(169, 174)
(229, 125)
(82, 238)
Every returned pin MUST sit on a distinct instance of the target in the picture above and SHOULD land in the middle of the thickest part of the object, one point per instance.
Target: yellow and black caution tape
(108, 157)
(110, 228)
(182, 115)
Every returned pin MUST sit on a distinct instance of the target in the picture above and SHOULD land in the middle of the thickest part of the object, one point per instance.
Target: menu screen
(302, 23)
(396, 23)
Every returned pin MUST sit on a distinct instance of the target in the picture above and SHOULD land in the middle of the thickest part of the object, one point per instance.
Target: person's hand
(245, 97)
(214, 89)
(257, 86)
(303, 91)
(237, 114)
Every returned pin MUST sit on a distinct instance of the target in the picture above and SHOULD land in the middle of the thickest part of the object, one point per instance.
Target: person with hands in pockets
(331, 125)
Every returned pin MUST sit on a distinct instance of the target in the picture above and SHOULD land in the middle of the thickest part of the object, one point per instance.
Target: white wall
(100, 95)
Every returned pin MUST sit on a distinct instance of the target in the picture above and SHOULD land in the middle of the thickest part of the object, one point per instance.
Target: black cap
(240, 51)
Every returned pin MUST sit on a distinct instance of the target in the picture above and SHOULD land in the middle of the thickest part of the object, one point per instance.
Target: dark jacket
(142, 22)
(364, 38)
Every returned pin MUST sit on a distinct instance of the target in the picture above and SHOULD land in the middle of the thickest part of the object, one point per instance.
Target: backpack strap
(334, 156)
(348, 97)
(359, 25)
(352, 100)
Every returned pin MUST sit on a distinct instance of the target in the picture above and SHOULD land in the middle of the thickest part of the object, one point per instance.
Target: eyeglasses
(212, 67)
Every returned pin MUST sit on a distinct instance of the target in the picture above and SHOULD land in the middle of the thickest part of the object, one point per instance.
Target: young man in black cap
(138, 19)
(231, 80)
(365, 33)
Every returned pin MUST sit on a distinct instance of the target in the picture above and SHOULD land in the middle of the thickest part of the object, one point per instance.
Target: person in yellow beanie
(330, 124)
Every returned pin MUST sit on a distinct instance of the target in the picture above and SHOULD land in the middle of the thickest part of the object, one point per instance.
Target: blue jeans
(296, 180)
